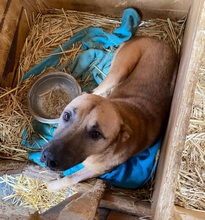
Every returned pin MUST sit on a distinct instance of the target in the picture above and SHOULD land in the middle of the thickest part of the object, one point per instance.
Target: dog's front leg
(67, 181)
(125, 60)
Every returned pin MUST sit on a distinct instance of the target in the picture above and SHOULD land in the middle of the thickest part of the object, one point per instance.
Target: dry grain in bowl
(53, 101)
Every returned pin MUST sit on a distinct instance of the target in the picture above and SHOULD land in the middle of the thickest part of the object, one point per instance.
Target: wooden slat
(11, 167)
(120, 216)
(186, 214)
(22, 28)
(84, 207)
(53, 213)
(9, 211)
(149, 8)
(170, 159)
(126, 204)
(8, 27)
(40, 173)
(36, 6)
(2, 9)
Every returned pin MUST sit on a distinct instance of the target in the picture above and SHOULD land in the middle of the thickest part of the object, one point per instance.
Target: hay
(47, 32)
(29, 192)
(14, 119)
(190, 191)
(53, 101)
(51, 30)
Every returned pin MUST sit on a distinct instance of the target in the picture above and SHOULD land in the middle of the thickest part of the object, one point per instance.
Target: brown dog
(103, 132)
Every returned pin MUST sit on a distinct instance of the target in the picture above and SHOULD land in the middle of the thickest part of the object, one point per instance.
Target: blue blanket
(137, 170)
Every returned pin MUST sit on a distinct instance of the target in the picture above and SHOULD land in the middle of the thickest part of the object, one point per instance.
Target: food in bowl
(50, 94)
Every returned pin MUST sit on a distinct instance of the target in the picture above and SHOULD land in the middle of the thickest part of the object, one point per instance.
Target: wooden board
(9, 25)
(11, 167)
(149, 8)
(9, 211)
(126, 204)
(185, 214)
(120, 216)
(170, 159)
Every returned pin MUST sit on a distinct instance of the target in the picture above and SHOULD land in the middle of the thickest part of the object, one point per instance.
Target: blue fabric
(136, 171)
(91, 61)
(95, 60)
(73, 169)
(43, 133)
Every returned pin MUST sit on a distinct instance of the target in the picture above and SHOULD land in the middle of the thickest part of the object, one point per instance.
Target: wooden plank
(22, 28)
(120, 216)
(149, 8)
(186, 214)
(36, 6)
(3, 9)
(40, 173)
(53, 213)
(11, 167)
(28, 169)
(103, 213)
(9, 211)
(170, 158)
(78, 206)
(84, 207)
(8, 28)
(126, 204)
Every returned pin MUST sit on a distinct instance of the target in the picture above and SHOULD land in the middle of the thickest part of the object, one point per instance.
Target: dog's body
(103, 132)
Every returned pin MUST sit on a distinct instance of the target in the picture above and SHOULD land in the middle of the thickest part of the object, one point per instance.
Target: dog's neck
(135, 120)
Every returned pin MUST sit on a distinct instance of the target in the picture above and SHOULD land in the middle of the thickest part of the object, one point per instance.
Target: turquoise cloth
(137, 170)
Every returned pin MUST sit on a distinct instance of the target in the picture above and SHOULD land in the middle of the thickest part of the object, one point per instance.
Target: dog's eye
(95, 135)
(66, 116)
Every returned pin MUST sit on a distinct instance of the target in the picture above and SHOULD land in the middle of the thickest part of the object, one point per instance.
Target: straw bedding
(191, 181)
(14, 119)
(47, 32)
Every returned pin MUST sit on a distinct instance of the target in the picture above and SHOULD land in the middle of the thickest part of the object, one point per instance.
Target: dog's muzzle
(48, 158)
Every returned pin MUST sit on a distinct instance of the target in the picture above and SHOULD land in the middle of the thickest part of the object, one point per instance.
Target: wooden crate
(14, 29)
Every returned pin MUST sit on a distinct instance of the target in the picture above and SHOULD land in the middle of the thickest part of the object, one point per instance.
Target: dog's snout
(51, 163)
(49, 160)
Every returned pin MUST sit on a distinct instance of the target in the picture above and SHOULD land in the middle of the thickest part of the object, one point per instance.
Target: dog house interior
(24, 42)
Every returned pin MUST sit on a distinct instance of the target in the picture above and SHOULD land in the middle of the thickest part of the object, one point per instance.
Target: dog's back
(151, 82)
(148, 89)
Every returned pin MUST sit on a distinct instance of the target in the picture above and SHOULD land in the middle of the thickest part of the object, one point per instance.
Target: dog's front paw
(56, 185)
(61, 183)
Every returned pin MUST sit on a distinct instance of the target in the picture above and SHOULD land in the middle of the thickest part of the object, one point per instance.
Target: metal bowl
(50, 94)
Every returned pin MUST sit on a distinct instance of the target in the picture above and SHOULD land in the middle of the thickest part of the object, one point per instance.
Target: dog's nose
(49, 160)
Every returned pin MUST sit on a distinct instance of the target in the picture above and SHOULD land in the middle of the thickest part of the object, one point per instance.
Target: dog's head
(90, 129)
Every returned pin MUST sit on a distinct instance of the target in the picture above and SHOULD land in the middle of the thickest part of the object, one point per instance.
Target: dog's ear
(126, 132)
